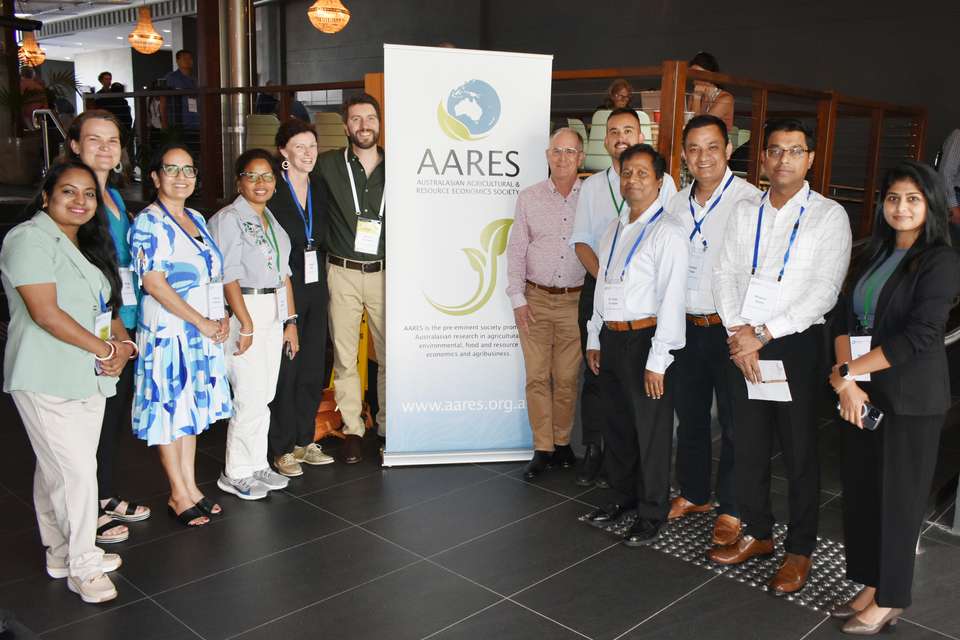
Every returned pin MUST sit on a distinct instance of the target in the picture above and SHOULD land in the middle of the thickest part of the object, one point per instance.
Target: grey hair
(560, 130)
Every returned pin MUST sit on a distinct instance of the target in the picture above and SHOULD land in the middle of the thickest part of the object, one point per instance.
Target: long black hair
(936, 231)
(93, 237)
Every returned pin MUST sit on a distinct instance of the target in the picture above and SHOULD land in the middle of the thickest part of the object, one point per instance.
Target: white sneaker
(57, 567)
(244, 488)
(270, 479)
(94, 590)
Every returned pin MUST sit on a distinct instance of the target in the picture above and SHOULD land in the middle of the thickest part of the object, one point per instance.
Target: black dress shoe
(590, 466)
(601, 481)
(537, 465)
(606, 514)
(642, 533)
(563, 456)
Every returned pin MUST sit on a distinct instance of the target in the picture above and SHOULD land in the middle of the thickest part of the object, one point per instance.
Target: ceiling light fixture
(30, 53)
(329, 16)
(144, 38)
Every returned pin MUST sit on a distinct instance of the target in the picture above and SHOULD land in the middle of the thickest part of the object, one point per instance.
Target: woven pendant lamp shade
(30, 53)
(328, 16)
(144, 38)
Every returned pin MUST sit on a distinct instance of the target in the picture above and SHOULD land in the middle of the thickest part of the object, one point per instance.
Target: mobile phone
(870, 416)
(288, 349)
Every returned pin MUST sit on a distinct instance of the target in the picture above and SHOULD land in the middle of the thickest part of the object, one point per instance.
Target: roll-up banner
(465, 132)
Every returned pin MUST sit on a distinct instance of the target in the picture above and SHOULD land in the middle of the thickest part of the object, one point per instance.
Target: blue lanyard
(697, 225)
(793, 236)
(633, 249)
(118, 201)
(204, 251)
(306, 219)
(103, 305)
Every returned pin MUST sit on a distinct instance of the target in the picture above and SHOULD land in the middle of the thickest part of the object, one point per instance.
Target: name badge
(368, 236)
(614, 302)
(127, 294)
(695, 268)
(101, 325)
(860, 346)
(216, 309)
(283, 311)
(192, 105)
(761, 300)
(311, 268)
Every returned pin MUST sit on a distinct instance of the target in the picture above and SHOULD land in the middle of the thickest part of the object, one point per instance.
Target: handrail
(40, 120)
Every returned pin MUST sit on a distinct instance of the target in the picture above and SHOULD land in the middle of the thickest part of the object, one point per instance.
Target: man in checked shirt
(544, 282)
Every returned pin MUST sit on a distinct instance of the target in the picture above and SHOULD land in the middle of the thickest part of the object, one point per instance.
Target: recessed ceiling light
(119, 37)
(166, 30)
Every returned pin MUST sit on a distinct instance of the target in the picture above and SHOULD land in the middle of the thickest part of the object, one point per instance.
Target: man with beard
(355, 261)
(600, 203)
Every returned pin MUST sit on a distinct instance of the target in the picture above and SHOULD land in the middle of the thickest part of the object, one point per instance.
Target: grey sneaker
(57, 567)
(288, 466)
(311, 454)
(270, 479)
(244, 488)
(94, 590)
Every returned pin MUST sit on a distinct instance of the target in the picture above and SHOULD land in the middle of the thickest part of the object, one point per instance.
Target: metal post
(46, 144)
(238, 74)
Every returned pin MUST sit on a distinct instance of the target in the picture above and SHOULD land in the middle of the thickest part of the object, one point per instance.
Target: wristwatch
(761, 333)
(844, 371)
(291, 320)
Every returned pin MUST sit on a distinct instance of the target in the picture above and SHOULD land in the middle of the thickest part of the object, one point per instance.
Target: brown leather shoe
(792, 575)
(680, 507)
(726, 530)
(351, 449)
(741, 550)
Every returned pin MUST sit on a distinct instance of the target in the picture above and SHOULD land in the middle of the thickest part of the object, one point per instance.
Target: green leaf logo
(493, 243)
(450, 125)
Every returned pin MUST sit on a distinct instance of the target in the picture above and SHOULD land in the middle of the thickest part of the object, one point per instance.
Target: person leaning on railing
(889, 324)
(61, 362)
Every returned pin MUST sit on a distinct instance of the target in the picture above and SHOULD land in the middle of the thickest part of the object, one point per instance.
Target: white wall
(117, 61)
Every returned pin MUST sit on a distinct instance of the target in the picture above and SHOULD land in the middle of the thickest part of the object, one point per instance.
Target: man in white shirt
(600, 203)
(638, 319)
(702, 209)
(781, 267)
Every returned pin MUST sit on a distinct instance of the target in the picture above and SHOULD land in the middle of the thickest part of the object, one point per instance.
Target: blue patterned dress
(180, 386)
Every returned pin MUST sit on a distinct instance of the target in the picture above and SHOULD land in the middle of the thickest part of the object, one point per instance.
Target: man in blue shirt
(183, 111)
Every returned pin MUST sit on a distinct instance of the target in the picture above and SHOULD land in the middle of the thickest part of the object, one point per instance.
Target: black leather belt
(251, 291)
(365, 267)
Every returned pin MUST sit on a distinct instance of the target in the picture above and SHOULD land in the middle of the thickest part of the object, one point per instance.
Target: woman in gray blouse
(256, 275)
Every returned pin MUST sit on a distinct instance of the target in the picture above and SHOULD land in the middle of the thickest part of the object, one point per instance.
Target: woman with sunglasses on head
(180, 383)
(256, 275)
(300, 206)
(94, 138)
(65, 348)
(889, 326)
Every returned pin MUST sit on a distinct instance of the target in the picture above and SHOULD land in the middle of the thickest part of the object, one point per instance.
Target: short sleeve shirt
(253, 255)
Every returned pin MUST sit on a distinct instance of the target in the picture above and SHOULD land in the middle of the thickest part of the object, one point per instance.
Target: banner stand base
(455, 457)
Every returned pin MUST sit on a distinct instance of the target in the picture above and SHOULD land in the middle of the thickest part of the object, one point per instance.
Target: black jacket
(911, 317)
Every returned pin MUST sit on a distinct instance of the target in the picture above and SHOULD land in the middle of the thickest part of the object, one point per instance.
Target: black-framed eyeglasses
(173, 170)
(794, 153)
(254, 178)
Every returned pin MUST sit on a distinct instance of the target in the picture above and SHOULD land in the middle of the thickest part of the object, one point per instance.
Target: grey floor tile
(506, 621)
(142, 620)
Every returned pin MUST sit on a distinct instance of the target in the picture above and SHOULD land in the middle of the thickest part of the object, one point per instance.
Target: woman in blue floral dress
(181, 386)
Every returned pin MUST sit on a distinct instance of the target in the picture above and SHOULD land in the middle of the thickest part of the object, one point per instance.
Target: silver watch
(761, 334)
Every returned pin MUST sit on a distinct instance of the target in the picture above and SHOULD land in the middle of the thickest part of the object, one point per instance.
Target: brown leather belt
(554, 290)
(631, 325)
(700, 320)
(365, 267)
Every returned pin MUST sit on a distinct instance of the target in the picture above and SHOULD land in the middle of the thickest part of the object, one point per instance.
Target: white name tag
(311, 268)
(192, 105)
(127, 294)
(761, 300)
(614, 303)
(368, 236)
(695, 268)
(860, 346)
(101, 325)
(215, 305)
(283, 310)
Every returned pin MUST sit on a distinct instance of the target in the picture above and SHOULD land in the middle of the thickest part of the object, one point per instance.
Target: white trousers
(64, 435)
(253, 378)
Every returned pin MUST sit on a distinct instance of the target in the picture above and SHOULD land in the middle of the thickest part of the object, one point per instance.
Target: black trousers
(886, 481)
(116, 416)
(301, 381)
(796, 425)
(592, 411)
(701, 368)
(639, 430)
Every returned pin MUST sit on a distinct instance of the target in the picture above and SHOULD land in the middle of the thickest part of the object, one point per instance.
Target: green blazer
(36, 252)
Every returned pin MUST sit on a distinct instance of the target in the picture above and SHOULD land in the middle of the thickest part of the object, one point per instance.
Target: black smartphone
(870, 416)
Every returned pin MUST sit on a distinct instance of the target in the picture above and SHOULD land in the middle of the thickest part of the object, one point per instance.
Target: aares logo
(471, 111)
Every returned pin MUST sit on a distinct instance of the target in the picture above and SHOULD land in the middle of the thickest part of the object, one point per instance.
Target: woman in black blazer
(889, 323)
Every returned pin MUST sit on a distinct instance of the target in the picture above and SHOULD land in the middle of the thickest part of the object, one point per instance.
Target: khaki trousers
(64, 435)
(253, 378)
(351, 292)
(551, 355)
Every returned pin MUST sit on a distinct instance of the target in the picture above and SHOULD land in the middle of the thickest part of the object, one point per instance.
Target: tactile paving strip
(688, 539)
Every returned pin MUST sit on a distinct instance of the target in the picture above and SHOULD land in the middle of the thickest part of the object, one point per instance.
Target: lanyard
(697, 225)
(793, 235)
(353, 188)
(117, 201)
(633, 249)
(103, 305)
(272, 240)
(203, 251)
(306, 219)
(618, 207)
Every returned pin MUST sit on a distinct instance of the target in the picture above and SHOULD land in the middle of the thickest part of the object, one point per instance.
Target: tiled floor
(467, 551)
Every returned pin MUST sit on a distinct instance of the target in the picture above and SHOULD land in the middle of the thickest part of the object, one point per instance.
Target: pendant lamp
(329, 16)
(30, 53)
(144, 38)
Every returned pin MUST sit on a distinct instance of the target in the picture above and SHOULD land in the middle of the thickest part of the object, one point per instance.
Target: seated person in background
(618, 95)
(708, 97)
